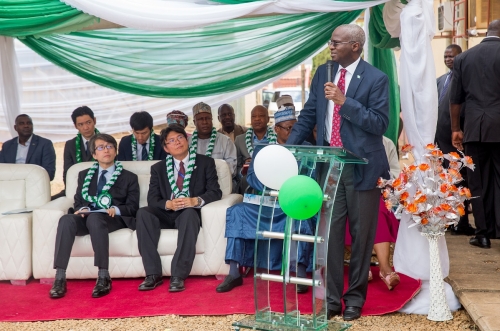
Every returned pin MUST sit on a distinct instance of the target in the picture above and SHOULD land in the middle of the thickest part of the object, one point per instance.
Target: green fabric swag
(378, 33)
(223, 57)
(22, 18)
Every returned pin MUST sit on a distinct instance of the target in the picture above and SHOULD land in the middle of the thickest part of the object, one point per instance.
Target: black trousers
(484, 183)
(362, 209)
(97, 225)
(150, 221)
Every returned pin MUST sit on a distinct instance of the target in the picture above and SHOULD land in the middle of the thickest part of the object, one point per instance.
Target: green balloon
(300, 197)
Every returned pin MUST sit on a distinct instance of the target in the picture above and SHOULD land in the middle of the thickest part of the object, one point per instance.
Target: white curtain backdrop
(10, 85)
(167, 15)
(419, 102)
(50, 94)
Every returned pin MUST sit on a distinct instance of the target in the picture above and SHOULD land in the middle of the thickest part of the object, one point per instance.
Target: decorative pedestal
(325, 163)
(439, 310)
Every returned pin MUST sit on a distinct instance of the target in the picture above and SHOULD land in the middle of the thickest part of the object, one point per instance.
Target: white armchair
(125, 260)
(21, 186)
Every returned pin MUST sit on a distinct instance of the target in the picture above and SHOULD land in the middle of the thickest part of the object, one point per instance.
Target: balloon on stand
(273, 165)
(300, 197)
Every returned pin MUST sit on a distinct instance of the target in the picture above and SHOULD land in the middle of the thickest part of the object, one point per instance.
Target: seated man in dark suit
(143, 144)
(178, 188)
(105, 186)
(28, 148)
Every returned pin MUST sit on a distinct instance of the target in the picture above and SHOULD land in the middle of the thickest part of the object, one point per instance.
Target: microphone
(329, 67)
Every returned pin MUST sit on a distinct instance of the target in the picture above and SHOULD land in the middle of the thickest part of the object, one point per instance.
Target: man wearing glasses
(178, 188)
(106, 200)
(352, 112)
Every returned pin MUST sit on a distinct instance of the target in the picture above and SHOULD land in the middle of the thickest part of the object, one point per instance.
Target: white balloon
(273, 165)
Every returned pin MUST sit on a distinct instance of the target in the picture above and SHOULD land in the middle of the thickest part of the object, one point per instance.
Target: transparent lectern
(276, 314)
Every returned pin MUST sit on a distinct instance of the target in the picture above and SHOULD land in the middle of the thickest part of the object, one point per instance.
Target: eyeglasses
(287, 128)
(101, 148)
(179, 138)
(335, 43)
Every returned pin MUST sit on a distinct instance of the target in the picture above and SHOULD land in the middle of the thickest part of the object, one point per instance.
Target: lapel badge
(359, 76)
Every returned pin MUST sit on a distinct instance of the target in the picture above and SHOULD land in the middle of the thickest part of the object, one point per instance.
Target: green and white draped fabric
(220, 58)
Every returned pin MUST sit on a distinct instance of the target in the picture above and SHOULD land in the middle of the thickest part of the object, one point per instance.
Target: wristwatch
(199, 201)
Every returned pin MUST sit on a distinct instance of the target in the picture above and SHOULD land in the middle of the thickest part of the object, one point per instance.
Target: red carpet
(32, 302)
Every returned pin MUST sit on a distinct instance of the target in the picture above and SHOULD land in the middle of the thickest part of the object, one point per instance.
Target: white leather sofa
(125, 260)
(21, 186)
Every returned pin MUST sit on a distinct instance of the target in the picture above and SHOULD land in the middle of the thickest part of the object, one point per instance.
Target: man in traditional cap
(226, 118)
(207, 141)
(177, 117)
(241, 224)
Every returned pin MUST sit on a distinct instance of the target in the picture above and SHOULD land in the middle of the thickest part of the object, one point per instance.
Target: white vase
(439, 309)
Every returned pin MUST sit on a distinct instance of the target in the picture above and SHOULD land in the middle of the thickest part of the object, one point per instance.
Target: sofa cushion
(12, 195)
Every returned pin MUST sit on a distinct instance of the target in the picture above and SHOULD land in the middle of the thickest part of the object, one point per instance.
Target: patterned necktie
(180, 176)
(335, 140)
(102, 182)
(144, 154)
(87, 148)
(446, 84)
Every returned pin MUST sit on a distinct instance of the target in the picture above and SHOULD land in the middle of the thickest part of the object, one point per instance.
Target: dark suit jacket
(41, 152)
(204, 183)
(476, 81)
(241, 152)
(443, 127)
(365, 118)
(125, 193)
(70, 155)
(125, 149)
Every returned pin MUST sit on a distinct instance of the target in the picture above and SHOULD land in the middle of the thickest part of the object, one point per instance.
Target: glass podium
(301, 240)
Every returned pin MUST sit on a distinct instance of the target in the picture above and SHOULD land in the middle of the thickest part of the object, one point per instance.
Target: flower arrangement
(428, 192)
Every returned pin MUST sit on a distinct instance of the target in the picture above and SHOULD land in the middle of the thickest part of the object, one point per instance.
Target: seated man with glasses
(178, 188)
(106, 200)
(241, 223)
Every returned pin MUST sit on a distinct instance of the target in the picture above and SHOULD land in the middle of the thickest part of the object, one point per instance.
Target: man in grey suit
(350, 112)
(29, 148)
(476, 81)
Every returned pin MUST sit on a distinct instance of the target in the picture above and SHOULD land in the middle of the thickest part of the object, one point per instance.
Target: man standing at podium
(351, 111)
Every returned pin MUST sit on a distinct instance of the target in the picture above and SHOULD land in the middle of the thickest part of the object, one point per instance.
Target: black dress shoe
(462, 231)
(229, 283)
(302, 288)
(176, 284)
(150, 282)
(331, 313)
(102, 287)
(352, 313)
(480, 241)
(58, 289)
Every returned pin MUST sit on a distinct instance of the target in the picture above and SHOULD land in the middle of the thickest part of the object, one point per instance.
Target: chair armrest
(213, 218)
(45, 221)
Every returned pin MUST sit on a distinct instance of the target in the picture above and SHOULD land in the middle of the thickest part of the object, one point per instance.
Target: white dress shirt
(22, 150)
(329, 114)
(85, 145)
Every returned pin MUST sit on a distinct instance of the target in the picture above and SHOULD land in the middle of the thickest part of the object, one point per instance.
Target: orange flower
(455, 173)
(442, 175)
(385, 194)
(396, 182)
(437, 153)
(404, 196)
(454, 155)
(412, 208)
(453, 164)
(406, 148)
(468, 160)
(452, 188)
(461, 210)
(388, 205)
(424, 167)
(430, 146)
(424, 221)
(412, 167)
(443, 188)
(421, 199)
(465, 191)
(445, 206)
(380, 182)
